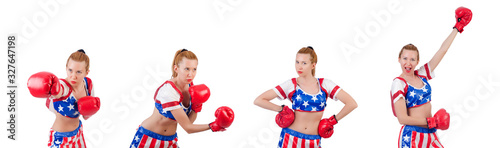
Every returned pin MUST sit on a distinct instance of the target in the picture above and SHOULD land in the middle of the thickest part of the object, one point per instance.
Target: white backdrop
(247, 47)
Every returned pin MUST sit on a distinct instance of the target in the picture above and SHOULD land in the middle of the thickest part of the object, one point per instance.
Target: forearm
(194, 128)
(192, 116)
(350, 104)
(348, 108)
(442, 50)
(408, 120)
(264, 101)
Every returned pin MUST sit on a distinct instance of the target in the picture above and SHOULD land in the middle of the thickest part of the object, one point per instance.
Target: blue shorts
(293, 139)
(419, 137)
(145, 138)
(73, 139)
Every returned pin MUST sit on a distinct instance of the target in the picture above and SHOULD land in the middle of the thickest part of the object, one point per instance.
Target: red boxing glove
(285, 117)
(441, 120)
(199, 95)
(43, 85)
(463, 15)
(325, 128)
(88, 106)
(224, 117)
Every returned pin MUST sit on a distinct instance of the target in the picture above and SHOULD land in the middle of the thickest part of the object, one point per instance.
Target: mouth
(73, 82)
(408, 69)
(300, 72)
(189, 80)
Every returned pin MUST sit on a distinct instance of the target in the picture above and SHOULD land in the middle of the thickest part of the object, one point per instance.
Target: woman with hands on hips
(302, 124)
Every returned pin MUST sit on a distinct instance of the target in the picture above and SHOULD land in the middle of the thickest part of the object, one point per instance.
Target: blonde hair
(314, 58)
(182, 53)
(80, 56)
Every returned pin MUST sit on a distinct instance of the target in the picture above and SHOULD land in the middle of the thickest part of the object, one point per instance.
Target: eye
(70, 70)
(194, 69)
(304, 63)
(412, 59)
(78, 72)
(296, 62)
(404, 58)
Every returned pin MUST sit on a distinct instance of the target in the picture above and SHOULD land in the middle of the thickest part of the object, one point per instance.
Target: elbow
(256, 101)
(354, 105)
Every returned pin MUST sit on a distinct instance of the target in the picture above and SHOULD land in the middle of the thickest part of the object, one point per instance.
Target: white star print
(314, 98)
(425, 89)
(412, 93)
(406, 138)
(320, 93)
(298, 97)
(133, 146)
(136, 138)
(406, 146)
(71, 106)
(313, 109)
(57, 142)
(60, 108)
(414, 104)
(322, 104)
(427, 99)
(76, 113)
(421, 97)
(305, 103)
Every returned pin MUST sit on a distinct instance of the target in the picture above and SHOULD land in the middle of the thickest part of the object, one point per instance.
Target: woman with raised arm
(411, 92)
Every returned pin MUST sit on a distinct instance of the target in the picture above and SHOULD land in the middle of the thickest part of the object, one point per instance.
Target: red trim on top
(334, 90)
(281, 91)
(89, 82)
(321, 86)
(168, 103)
(397, 93)
(294, 81)
(420, 104)
(428, 71)
(309, 111)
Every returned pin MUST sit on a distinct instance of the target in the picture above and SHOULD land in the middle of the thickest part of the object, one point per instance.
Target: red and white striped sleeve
(284, 89)
(168, 96)
(331, 88)
(425, 71)
(398, 90)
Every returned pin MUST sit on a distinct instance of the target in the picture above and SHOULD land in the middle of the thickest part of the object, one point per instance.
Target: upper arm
(267, 96)
(345, 98)
(400, 108)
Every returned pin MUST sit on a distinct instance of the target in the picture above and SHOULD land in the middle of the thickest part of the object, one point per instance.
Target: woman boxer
(178, 101)
(411, 92)
(302, 125)
(68, 98)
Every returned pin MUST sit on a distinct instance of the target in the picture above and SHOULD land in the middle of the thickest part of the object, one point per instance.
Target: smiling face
(76, 71)
(186, 70)
(303, 64)
(408, 61)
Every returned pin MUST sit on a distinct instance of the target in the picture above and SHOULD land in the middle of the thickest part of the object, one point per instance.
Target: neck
(407, 75)
(178, 83)
(307, 78)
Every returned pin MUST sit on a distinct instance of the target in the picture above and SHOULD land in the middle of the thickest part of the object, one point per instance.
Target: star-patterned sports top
(303, 101)
(414, 97)
(67, 104)
(168, 98)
